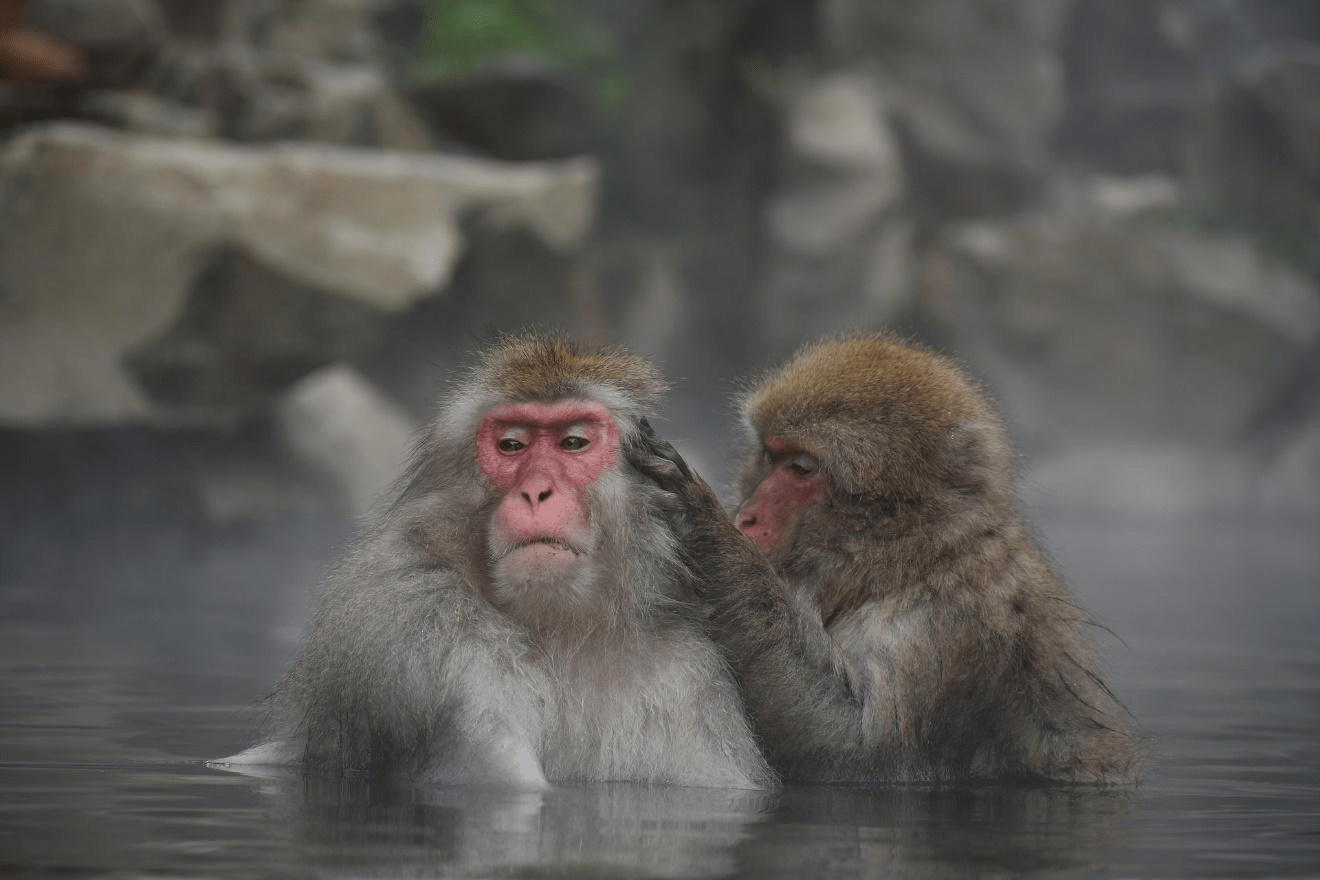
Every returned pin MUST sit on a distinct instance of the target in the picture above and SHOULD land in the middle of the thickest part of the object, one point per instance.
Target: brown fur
(534, 367)
(909, 626)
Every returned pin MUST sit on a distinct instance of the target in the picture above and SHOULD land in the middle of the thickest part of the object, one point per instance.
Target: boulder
(841, 250)
(117, 39)
(347, 430)
(1131, 68)
(976, 90)
(513, 108)
(244, 333)
(107, 233)
(1112, 329)
(1254, 160)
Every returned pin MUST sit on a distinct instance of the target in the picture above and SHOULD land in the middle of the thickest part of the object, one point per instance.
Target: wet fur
(909, 627)
(410, 669)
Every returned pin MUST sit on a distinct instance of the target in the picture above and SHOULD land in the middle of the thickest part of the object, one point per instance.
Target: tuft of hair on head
(883, 414)
(551, 366)
(534, 366)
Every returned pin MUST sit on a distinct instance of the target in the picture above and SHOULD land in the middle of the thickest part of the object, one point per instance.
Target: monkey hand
(691, 506)
(718, 554)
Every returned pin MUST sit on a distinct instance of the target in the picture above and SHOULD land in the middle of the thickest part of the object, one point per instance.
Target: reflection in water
(621, 829)
(114, 686)
(918, 832)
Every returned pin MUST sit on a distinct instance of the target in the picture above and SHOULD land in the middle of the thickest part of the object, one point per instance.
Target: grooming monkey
(879, 593)
(518, 615)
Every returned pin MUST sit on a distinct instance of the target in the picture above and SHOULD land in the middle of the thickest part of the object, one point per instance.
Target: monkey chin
(537, 560)
(539, 576)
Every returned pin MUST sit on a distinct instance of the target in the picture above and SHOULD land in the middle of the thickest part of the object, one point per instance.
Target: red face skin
(793, 482)
(542, 457)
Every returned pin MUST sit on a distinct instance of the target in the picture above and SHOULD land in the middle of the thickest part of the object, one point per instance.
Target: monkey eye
(508, 445)
(803, 465)
(574, 443)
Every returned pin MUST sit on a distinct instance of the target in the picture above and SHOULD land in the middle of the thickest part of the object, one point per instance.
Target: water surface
(127, 656)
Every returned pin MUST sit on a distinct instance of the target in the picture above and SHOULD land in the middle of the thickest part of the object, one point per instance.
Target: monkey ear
(976, 457)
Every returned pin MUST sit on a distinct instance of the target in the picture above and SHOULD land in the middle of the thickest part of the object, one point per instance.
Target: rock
(286, 70)
(106, 232)
(1131, 68)
(1112, 331)
(346, 429)
(244, 334)
(264, 99)
(841, 251)
(868, 284)
(513, 108)
(1232, 274)
(24, 103)
(836, 123)
(976, 91)
(117, 39)
(1255, 156)
(844, 170)
(357, 105)
(145, 113)
(819, 219)
(635, 298)
(203, 23)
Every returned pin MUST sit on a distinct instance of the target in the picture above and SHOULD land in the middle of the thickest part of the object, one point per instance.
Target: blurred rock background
(244, 242)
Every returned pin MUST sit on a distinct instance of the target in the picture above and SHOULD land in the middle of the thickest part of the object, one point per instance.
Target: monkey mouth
(557, 544)
(554, 542)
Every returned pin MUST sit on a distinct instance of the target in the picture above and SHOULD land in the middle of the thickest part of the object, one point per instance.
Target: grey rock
(106, 232)
(118, 38)
(976, 90)
(513, 108)
(244, 334)
(1254, 159)
(1109, 331)
(349, 431)
(836, 122)
(841, 247)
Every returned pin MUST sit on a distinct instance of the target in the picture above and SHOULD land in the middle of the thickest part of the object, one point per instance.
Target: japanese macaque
(519, 615)
(880, 595)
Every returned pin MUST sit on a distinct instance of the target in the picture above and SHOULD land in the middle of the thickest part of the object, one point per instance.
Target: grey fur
(411, 670)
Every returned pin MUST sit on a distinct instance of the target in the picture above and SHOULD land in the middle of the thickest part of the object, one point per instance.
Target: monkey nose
(537, 490)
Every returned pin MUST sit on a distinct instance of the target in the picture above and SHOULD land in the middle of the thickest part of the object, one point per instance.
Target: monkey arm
(801, 694)
(406, 668)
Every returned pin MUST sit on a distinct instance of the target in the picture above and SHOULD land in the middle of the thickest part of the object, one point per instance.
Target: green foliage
(463, 34)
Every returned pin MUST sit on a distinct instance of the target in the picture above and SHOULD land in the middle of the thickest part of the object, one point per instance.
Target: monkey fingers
(658, 460)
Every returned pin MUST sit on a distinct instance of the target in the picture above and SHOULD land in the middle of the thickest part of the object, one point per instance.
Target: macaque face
(791, 481)
(542, 459)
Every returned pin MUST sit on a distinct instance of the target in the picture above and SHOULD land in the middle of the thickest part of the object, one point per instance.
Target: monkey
(879, 592)
(517, 614)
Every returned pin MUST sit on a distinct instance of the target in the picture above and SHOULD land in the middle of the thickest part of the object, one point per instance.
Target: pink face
(541, 458)
(793, 482)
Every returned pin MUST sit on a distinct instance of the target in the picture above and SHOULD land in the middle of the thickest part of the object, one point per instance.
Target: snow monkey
(879, 593)
(519, 614)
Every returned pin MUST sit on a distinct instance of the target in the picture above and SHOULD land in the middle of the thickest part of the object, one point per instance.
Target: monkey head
(865, 425)
(552, 496)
